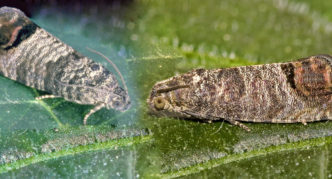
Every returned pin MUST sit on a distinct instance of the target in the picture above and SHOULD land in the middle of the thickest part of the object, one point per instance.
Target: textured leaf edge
(113, 144)
(301, 145)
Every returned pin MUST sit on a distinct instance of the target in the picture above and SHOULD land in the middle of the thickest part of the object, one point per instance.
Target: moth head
(118, 99)
(169, 98)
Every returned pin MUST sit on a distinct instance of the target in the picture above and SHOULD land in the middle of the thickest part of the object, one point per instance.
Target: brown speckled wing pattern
(299, 91)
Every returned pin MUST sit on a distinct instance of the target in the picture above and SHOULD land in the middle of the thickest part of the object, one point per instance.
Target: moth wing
(313, 75)
(201, 116)
(14, 26)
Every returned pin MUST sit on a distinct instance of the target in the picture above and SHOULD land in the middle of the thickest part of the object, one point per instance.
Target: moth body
(35, 58)
(299, 91)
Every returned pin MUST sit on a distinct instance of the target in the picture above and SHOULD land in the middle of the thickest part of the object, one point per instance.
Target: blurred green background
(150, 41)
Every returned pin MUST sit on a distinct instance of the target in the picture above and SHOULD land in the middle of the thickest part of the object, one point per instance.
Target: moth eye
(159, 103)
(95, 67)
(116, 104)
(117, 101)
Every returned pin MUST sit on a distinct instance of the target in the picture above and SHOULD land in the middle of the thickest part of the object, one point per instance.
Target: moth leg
(237, 123)
(304, 123)
(95, 109)
(46, 97)
(212, 118)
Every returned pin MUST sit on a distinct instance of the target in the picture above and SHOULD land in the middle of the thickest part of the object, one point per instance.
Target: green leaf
(150, 41)
(49, 132)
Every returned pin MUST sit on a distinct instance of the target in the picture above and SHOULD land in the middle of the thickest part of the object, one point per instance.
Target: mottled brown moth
(298, 91)
(32, 56)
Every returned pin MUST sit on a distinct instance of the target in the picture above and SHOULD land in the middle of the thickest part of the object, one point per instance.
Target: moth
(32, 56)
(298, 91)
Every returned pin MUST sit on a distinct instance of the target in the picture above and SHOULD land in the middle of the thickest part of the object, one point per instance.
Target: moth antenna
(114, 66)
(172, 88)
